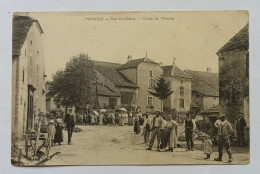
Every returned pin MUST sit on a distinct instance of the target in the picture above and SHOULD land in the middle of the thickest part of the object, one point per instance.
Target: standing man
(240, 125)
(146, 128)
(224, 132)
(155, 128)
(190, 126)
(70, 123)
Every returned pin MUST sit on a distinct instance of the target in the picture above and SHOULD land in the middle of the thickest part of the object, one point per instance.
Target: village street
(118, 145)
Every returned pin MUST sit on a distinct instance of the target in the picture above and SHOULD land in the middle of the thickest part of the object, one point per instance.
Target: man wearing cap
(155, 128)
(146, 127)
(224, 132)
(240, 125)
(190, 126)
(70, 123)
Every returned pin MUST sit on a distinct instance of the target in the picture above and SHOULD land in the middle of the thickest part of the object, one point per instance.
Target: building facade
(204, 90)
(143, 72)
(180, 84)
(115, 90)
(234, 76)
(28, 75)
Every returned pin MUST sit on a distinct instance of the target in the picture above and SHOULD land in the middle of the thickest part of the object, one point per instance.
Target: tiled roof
(109, 70)
(204, 82)
(176, 73)
(105, 91)
(214, 109)
(21, 26)
(134, 63)
(239, 42)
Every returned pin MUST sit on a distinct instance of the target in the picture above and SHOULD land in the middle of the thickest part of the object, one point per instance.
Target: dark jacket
(240, 124)
(69, 120)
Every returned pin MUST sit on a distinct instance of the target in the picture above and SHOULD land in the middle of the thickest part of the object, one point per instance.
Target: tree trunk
(162, 105)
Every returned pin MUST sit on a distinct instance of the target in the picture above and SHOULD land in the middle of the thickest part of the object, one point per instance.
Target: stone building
(28, 75)
(128, 84)
(143, 72)
(204, 90)
(180, 84)
(234, 76)
(116, 89)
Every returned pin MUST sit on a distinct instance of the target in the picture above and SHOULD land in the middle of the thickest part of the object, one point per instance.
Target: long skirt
(130, 121)
(137, 127)
(51, 131)
(173, 139)
(121, 121)
(58, 135)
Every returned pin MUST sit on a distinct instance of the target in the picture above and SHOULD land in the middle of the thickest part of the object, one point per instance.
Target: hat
(222, 115)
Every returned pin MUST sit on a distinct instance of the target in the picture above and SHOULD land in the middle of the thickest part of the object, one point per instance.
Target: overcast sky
(193, 38)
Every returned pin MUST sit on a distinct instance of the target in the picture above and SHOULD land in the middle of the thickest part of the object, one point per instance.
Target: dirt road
(118, 145)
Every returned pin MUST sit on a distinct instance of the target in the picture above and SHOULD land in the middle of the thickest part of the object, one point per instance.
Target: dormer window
(181, 91)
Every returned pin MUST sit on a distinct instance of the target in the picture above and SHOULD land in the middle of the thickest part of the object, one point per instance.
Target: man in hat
(224, 132)
(155, 128)
(146, 127)
(240, 125)
(190, 126)
(70, 123)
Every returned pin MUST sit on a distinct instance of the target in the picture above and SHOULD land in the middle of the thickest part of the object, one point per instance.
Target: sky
(193, 38)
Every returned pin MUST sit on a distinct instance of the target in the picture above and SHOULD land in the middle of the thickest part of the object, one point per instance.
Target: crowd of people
(164, 129)
(152, 126)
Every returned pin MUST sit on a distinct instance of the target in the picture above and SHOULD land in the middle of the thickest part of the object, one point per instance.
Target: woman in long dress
(93, 120)
(137, 128)
(51, 131)
(130, 118)
(58, 138)
(173, 135)
(125, 116)
(121, 121)
(101, 117)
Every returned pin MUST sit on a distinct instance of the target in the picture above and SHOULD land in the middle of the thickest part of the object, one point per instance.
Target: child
(207, 146)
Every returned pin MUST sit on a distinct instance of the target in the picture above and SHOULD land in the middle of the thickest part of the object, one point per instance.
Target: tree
(73, 85)
(161, 90)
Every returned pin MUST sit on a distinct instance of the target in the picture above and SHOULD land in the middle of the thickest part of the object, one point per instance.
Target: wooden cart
(37, 143)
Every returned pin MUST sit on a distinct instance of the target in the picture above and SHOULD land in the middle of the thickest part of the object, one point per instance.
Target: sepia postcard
(130, 88)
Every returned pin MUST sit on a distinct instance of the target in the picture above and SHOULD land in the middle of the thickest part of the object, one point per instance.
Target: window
(151, 83)
(181, 91)
(150, 74)
(25, 52)
(181, 103)
(23, 74)
(38, 52)
(150, 80)
(150, 101)
(31, 43)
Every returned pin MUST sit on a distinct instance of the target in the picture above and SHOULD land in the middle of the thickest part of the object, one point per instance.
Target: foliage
(234, 87)
(73, 85)
(162, 89)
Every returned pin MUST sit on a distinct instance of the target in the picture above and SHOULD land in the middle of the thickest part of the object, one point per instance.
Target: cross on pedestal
(97, 84)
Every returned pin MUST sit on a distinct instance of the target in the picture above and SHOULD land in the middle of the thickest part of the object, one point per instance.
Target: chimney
(208, 69)
(173, 62)
(173, 66)
(160, 63)
(129, 57)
